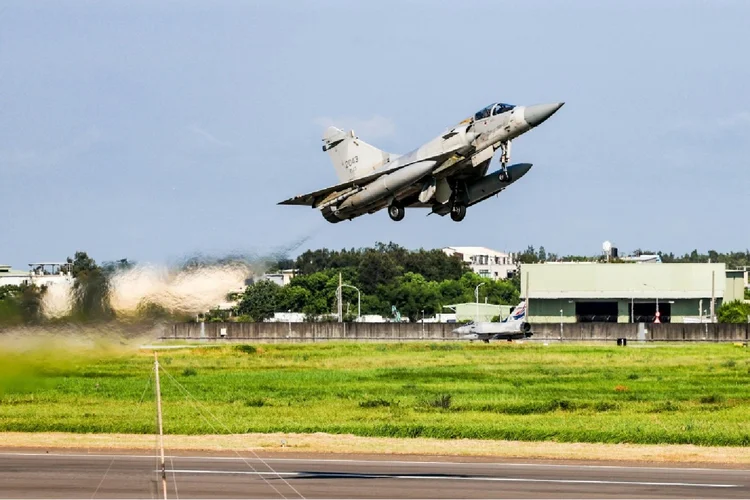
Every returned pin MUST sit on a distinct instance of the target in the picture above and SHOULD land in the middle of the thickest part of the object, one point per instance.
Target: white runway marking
(346, 475)
(380, 462)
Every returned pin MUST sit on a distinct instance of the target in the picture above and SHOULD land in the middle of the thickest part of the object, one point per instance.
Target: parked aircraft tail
(518, 315)
(352, 157)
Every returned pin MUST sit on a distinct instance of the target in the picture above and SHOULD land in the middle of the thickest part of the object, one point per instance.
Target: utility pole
(713, 295)
(359, 298)
(161, 430)
(338, 297)
(528, 301)
(476, 295)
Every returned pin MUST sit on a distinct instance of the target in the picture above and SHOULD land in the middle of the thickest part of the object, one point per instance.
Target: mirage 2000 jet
(511, 328)
(446, 175)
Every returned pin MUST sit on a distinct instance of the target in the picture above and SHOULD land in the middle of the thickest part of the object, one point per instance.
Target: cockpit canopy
(492, 110)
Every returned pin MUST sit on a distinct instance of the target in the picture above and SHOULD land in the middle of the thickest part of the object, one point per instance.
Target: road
(83, 475)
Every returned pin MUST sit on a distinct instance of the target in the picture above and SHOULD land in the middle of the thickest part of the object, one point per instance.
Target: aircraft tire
(396, 212)
(458, 212)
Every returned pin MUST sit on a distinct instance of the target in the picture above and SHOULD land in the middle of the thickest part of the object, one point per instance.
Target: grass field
(696, 394)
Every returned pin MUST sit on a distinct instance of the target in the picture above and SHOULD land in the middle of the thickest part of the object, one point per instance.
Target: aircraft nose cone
(536, 114)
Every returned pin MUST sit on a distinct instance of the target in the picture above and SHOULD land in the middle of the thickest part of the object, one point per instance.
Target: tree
(412, 293)
(733, 312)
(31, 303)
(293, 298)
(10, 308)
(435, 265)
(90, 288)
(259, 300)
(542, 254)
(528, 256)
(21, 304)
(377, 268)
(112, 267)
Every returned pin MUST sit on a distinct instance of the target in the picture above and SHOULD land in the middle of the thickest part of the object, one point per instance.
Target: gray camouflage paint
(383, 177)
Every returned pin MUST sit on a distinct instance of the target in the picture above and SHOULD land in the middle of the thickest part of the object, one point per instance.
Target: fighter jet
(446, 175)
(512, 327)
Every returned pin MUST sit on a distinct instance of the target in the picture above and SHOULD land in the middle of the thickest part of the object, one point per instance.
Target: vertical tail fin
(352, 158)
(518, 315)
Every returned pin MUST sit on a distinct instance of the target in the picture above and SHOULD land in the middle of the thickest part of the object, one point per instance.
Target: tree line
(389, 278)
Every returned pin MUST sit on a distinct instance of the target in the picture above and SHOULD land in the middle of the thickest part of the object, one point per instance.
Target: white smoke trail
(57, 300)
(199, 285)
(192, 290)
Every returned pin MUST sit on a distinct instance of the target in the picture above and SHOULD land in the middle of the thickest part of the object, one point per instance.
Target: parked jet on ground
(512, 327)
(448, 174)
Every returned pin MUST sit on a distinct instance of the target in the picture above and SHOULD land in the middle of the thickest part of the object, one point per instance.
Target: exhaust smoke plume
(192, 290)
(195, 285)
(57, 300)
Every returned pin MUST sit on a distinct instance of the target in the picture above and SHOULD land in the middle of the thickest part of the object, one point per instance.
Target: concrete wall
(402, 332)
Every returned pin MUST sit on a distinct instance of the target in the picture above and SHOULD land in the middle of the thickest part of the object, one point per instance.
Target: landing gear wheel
(396, 212)
(458, 212)
(504, 177)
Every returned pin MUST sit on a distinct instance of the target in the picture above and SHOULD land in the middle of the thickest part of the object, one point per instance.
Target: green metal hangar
(627, 293)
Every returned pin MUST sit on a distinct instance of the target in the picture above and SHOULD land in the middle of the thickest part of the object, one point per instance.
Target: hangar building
(627, 293)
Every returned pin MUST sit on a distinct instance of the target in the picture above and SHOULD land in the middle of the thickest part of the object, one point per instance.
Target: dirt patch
(348, 444)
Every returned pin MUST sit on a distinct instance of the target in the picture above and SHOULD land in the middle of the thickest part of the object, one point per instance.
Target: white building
(281, 278)
(40, 274)
(484, 261)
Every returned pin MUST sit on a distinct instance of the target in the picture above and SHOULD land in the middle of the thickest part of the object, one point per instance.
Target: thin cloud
(208, 136)
(713, 124)
(80, 144)
(377, 127)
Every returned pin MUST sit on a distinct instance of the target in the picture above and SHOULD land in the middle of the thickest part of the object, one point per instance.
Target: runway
(82, 475)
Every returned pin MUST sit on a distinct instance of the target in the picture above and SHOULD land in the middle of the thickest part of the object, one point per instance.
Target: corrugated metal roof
(639, 281)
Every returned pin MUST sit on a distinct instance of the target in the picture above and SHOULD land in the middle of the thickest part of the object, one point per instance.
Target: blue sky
(154, 130)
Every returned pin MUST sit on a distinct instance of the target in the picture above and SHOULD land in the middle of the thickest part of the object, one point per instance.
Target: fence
(402, 332)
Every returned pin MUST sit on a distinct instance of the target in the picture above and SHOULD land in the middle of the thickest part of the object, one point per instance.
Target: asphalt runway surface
(100, 475)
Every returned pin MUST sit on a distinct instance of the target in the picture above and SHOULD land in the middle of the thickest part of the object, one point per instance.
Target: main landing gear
(458, 212)
(396, 212)
(504, 160)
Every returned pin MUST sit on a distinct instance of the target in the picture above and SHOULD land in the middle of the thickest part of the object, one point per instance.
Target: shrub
(256, 402)
(733, 312)
(246, 348)
(374, 403)
(605, 406)
(442, 401)
(711, 399)
(189, 372)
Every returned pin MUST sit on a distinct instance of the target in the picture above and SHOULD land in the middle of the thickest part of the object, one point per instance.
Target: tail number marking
(349, 164)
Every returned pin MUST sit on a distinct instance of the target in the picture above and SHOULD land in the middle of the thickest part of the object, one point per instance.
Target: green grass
(697, 394)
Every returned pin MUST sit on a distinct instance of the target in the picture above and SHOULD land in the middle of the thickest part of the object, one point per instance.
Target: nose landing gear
(504, 160)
